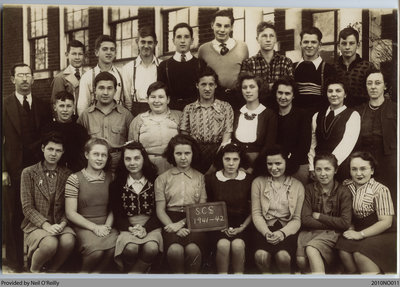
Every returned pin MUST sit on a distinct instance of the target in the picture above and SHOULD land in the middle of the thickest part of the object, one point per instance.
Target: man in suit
(23, 116)
(68, 80)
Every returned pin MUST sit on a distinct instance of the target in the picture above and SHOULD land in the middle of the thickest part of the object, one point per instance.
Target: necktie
(329, 118)
(25, 105)
(224, 49)
(183, 58)
(77, 74)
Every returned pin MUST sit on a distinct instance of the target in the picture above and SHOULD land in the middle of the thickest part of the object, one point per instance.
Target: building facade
(38, 34)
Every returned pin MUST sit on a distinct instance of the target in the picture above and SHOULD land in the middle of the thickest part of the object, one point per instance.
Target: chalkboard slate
(207, 216)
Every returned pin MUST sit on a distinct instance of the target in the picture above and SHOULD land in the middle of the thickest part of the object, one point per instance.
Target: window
(77, 24)
(173, 16)
(124, 28)
(239, 24)
(37, 22)
(268, 14)
(327, 21)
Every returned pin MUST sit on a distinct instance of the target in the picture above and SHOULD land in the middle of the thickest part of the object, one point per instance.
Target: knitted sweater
(228, 66)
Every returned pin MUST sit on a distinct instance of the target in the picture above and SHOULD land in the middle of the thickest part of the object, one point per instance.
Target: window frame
(32, 39)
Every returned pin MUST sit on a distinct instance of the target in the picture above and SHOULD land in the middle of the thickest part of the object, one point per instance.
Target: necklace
(374, 108)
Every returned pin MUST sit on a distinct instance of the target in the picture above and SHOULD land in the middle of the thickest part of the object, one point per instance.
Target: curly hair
(232, 147)
(182, 139)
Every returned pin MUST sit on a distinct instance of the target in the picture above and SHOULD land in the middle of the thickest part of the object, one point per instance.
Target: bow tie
(249, 117)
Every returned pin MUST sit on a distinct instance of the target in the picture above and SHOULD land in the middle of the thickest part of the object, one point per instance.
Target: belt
(177, 208)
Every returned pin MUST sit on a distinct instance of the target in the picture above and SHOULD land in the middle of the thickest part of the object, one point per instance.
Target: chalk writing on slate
(207, 216)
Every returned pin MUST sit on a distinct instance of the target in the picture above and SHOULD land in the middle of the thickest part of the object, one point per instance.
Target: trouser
(12, 232)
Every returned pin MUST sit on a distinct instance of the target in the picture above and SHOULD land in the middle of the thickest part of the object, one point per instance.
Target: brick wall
(12, 45)
(285, 37)
(95, 30)
(146, 17)
(206, 34)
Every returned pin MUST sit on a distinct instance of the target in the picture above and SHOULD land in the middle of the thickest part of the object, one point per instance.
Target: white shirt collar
(71, 70)
(177, 56)
(139, 61)
(257, 111)
(337, 111)
(221, 177)
(20, 98)
(131, 181)
(316, 61)
(230, 44)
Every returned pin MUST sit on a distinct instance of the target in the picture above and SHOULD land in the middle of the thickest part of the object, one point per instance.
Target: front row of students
(136, 218)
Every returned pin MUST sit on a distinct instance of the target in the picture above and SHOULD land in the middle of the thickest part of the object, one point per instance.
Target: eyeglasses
(21, 75)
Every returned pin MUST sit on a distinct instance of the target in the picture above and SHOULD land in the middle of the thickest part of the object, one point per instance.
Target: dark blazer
(35, 197)
(12, 137)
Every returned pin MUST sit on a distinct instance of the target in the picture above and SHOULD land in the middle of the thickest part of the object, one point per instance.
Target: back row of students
(138, 216)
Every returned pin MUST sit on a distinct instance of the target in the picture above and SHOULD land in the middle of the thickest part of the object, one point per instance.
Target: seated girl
(325, 215)
(48, 237)
(86, 206)
(176, 188)
(233, 186)
(132, 202)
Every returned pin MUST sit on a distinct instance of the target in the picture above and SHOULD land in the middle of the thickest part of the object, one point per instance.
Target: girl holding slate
(132, 201)
(176, 188)
(233, 186)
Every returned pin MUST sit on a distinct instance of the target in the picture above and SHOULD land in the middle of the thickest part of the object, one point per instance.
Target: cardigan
(266, 131)
(260, 202)
(35, 197)
(339, 201)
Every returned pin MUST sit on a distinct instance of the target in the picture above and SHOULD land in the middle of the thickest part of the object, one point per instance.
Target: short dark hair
(149, 170)
(52, 136)
(103, 38)
(346, 32)
(261, 161)
(63, 96)
(367, 156)
(327, 156)
(105, 76)
(335, 80)
(183, 140)
(182, 25)
(312, 31)
(374, 71)
(224, 13)
(75, 44)
(157, 86)
(286, 81)
(15, 66)
(232, 147)
(249, 76)
(147, 31)
(207, 72)
(264, 25)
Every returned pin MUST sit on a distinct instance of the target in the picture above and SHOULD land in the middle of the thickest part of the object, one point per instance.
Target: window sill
(42, 74)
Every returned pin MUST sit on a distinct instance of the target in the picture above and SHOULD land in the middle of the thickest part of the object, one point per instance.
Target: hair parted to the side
(207, 72)
(261, 161)
(224, 13)
(367, 156)
(149, 170)
(147, 31)
(157, 86)
(75, 44)
(311, 31)
(232, 147)
(103, 38)
(182, 139)
(105, 76)
(327, 156)
(264, 25)
(182, 25)
(346, 32)
(99, 141)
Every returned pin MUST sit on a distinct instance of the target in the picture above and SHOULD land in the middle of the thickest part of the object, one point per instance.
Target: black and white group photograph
(202, 140)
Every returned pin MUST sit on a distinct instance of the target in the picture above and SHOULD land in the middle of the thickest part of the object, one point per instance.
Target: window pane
(77, 19)
(194, 16)
(171, 20)
(127, 48)
(118, 50)
(171, 46)
(114, 14)
(118, 31)
(267, 10)
(123, 13)
(39, 15)
(327, 53)
(44, 13)
(325, 22)
(70, 21)
(238, 31)
(238, 13)
(39, 28)
(44, 23)
(134, 11)
(135, 29)
(196, 37)
(33, 29)
(85, 18)
(269, 18)
(80, 35)
(33, 18)
(126, 30)
(182, 15)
